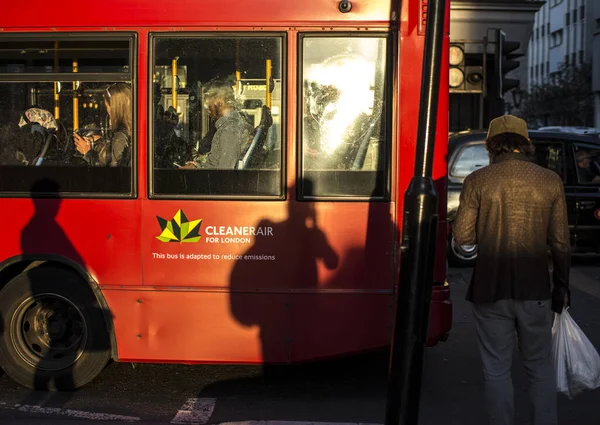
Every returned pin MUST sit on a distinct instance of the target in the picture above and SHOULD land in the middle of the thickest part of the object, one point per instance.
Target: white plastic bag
(576, 361)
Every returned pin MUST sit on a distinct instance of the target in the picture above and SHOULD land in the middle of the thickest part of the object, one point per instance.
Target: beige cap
(508, 124)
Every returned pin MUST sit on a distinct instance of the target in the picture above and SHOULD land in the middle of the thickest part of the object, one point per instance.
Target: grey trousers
(499, 326)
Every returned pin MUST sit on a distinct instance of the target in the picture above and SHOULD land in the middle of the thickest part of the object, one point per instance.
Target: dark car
(576, 158)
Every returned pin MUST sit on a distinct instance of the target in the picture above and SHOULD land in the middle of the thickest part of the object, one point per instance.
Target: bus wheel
(461, 255)
(53, 333)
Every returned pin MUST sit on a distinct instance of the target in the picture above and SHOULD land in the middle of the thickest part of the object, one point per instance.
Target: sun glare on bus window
(343, 127)
(355, 95)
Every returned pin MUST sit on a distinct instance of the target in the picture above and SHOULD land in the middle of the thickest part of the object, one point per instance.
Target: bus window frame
(85, 77)
(388, 104)
(208, 34)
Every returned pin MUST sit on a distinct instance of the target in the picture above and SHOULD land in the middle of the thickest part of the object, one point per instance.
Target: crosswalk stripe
(72, 413)
(195, 411)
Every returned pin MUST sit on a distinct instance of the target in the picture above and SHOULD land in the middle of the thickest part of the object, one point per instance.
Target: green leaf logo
(179, 229)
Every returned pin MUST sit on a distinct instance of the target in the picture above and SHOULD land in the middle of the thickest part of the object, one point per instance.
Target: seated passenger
(27, 142)
(170, 150)
(584, 169)
(116, 150)
(233, 131)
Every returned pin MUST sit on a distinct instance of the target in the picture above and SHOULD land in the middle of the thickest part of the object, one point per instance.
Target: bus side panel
(329, 269)
(104, 238)
(198, 326)
(189, 12)
(331, 324)
(295, 246)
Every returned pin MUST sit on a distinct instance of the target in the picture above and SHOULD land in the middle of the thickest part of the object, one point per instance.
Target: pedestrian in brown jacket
(514, 210)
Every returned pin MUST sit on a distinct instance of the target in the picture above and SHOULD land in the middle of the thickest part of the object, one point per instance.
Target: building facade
(559, 36)
(565, 33)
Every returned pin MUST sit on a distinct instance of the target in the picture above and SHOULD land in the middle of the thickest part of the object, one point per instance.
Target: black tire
(55, 335)
(460, 256)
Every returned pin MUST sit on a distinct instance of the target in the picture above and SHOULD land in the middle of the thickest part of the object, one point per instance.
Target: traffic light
(466, 72)
(504, 62)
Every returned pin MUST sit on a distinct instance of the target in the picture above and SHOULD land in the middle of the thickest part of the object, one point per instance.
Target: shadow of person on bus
(53, 321)
(288, 288)
(275, 268)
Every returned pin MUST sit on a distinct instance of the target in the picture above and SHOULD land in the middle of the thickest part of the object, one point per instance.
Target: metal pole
(418, 242)
(75, 98)
(238, 74)
(174, 83)
(268, 83)
(56, 87)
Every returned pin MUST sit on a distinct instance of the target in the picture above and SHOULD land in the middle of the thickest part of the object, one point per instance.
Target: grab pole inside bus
(418, 242)
(56, 84)
(75, 97)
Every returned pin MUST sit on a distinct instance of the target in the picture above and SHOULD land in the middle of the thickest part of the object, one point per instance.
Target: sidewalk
(452, 391)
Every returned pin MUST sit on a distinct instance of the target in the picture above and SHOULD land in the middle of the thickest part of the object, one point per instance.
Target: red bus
(236, 192)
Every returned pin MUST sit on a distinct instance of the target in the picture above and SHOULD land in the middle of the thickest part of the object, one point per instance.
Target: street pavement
(350, 390)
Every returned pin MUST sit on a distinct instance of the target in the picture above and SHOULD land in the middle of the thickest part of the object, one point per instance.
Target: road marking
(81, 414)
(195, 411)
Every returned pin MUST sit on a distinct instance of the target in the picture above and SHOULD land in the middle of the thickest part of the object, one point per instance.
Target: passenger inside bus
(233, 130)
(28, 142)
(171, 149)
(114, 150)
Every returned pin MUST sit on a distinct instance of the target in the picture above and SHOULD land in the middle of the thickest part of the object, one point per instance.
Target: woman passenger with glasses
(115, 151)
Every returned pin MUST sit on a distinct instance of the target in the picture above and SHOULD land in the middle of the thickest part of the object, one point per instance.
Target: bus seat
(252, 156)
(50, 137)
(359, 159)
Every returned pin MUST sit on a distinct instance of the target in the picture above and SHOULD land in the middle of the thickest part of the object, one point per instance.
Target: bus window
(53, 86)
(343, 131)
(217, 107)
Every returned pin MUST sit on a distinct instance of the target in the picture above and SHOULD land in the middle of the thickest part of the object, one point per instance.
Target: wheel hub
(49, 331)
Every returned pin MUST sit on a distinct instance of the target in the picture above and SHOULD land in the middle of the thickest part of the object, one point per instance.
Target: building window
(537, 71)
(543, 30)
(582, 13)
(581, 56)
(537, 33)
(567, 19)
(574, 59)
(548, 67)
(531, 72)
(556, 38)
(574, 15)
(566, 60)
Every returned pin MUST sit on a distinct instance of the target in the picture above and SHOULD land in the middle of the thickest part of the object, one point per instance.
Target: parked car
(576, 158)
